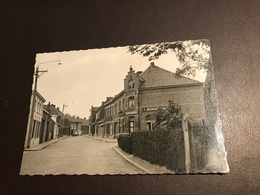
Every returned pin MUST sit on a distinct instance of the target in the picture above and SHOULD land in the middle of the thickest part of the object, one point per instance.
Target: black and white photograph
(141, 109)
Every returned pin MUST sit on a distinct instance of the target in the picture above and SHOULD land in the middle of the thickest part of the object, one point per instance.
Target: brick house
(84, 126)
(135, 107)
(159, 86)
(78, 126)
(114, 116)
(61, 124)
(92, 120)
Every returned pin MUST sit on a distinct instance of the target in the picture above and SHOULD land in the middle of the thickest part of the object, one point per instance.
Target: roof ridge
(173, 73)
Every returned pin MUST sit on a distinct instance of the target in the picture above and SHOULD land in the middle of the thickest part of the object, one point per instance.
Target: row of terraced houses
(50, 123)
(135, 107)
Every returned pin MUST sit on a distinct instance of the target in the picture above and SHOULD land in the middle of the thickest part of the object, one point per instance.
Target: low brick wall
(161, 147)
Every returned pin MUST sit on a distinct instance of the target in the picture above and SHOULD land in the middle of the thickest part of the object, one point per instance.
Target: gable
(155, 76)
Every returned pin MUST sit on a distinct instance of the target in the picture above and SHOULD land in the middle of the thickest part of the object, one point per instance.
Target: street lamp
(37, 75)
(62, 122)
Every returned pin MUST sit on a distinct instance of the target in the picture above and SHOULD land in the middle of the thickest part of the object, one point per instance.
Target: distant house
(85, 126)
(78, 126)
(92, 120)
(33, 135)
(100, 117)
(61, 123)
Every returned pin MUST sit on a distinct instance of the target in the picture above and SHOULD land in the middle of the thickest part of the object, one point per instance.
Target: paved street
(76, 155)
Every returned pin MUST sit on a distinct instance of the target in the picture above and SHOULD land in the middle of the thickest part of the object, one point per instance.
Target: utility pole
(34, 99)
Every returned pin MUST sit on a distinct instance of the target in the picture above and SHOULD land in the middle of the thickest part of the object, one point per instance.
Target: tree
(193, 55)
(168, 117)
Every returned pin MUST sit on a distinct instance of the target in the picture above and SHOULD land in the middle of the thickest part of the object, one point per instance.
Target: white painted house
(37, 120)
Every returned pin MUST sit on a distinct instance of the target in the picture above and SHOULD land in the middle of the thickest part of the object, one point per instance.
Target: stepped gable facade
(135, 107)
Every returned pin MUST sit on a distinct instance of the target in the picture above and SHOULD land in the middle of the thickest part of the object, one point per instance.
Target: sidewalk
(44, 145)
(108, 140)
(143, 165)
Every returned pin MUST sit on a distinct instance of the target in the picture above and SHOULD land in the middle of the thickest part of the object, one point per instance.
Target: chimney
(152, 64)
(131, 69)
(58, 108)
(109, 98)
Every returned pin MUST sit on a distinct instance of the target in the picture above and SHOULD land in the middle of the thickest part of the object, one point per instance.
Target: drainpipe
(138, 109)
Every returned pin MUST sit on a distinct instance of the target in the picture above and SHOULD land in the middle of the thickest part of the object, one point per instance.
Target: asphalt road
(76, 155)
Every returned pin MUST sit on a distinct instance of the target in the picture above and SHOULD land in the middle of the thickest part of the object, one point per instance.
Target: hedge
(125, 142)
(161, 147)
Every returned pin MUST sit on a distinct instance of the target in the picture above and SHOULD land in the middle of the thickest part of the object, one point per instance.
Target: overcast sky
(87, 77)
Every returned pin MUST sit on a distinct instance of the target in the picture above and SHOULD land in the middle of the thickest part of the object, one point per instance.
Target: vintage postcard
(142, 109)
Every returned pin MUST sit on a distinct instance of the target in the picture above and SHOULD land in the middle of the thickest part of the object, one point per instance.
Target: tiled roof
(84, 122)
(73, 119)
(52, 110)
(155, 76)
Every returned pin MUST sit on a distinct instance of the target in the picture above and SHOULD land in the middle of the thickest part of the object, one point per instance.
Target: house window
(131, 85)
(119, 105)
(131, 126)
(131, 102)
(123, 125)
(123, 104)
(111, 128)
(116, 108)
(119, 125)
(149, 125)
(33, 131)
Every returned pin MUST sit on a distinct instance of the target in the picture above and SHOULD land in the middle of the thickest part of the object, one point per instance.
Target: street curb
(45, 146)
(100, 139)
(132, 163)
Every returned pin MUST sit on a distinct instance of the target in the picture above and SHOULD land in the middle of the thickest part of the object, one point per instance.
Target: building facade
(85, 126)
(33, 135)
(92, 120)
(78, 126)
(135, 107)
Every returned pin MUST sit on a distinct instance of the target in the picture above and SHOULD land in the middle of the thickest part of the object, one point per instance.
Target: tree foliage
(168, 117)
(193, 55)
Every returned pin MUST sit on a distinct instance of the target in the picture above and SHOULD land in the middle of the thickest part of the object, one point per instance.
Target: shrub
(125, 142)
(162, 147)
